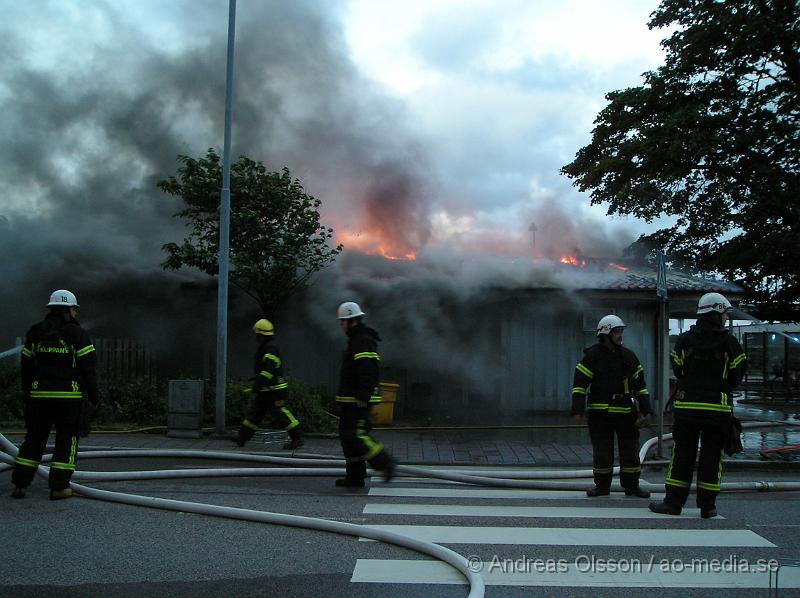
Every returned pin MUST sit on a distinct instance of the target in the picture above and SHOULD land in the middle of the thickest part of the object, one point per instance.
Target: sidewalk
(543, 447)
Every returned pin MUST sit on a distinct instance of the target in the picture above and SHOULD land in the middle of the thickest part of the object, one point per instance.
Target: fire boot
(19, 492)
(356, 471)
(594, 492)
(60, 494)
(665, 508)
(637, 492)
(295, 439)
(384, 463)
(243, 436)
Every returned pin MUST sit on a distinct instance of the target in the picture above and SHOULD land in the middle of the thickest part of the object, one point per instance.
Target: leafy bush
(309, 406)
(139, 401)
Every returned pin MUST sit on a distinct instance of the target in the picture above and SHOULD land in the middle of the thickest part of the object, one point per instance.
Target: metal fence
(124, 358)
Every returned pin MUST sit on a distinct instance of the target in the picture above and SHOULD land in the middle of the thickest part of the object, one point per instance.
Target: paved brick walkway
(537, 447)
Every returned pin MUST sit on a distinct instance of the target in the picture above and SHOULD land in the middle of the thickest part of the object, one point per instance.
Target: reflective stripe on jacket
(268, 378)
(708, 363)
(58, 361)
(610, 377)
(360, 371)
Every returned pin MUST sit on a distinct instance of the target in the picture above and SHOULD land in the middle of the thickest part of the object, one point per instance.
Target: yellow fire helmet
(264, 326)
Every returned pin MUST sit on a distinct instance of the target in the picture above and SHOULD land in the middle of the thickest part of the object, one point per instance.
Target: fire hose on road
(316, 466)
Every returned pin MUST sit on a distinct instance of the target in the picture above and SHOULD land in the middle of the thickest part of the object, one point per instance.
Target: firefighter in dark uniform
(269, 390)
(618, 403)
(708, 362)
(58, 378)
(358, 390)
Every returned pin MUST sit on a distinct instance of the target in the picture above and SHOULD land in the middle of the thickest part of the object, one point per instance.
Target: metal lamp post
(224, 233)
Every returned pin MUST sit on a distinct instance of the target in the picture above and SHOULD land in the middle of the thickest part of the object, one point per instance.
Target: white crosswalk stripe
(643, 574)
(584, 570)
(571, 536)
(506, 511)
(486, 493)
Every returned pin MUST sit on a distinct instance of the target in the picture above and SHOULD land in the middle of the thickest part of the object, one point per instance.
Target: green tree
(711, 140)
(277, 241)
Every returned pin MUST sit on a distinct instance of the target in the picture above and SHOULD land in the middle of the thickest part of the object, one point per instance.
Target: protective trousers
(689, 430)
(40, 416)
(603, 426)
(357, 445)
(279, 412)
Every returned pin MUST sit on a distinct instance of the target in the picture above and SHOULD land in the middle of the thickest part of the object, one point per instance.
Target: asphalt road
(86, 547)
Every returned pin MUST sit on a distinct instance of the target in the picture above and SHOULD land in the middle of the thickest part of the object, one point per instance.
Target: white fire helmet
(713, 302)
(608, 323)
(62, 298)
(348, 310)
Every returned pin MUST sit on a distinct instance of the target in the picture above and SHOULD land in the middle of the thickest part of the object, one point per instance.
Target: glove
(87, 413)
(643, 420)
(733, 437)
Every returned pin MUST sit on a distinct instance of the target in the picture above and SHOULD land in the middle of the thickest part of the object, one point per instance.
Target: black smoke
(97, 102)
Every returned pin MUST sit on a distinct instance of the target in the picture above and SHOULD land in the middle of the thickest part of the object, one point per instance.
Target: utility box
(185, 409)
(383, 412)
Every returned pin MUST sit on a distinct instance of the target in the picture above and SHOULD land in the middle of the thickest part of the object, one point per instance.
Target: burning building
(484, 339)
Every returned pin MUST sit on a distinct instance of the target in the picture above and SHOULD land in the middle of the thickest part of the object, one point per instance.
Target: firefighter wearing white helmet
(708, 363)
(62, 298)
(358, 390)
(713, 302)
(348, 310)
(59, 388)
(609, 384)
(268, 392)
(608, 323)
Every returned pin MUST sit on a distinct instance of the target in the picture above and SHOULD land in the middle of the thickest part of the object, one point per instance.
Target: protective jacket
(58, 361)
(612, 377)
(268, 367)
(360, 371)
(708, 362)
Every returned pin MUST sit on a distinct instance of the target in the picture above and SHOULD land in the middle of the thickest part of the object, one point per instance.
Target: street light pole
(662, 349)
(224, 233)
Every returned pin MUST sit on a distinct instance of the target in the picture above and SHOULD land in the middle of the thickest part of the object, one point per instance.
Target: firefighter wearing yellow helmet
(269, 390)
(708, 363)
(618, 404)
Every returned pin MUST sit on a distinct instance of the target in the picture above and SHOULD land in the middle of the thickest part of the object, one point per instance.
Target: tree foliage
(276, 240)
(711, 140)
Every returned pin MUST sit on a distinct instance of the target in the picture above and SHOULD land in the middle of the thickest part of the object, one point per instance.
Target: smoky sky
(88, 136)
(98, 103)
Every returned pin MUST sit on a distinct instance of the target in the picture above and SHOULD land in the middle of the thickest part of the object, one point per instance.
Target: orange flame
(372, 244)
(573, 261)
(618, 266)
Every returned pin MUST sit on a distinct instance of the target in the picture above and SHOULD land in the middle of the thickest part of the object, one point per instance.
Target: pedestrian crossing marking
(576, 575)
(482, 493)
(516, 511)
(567, 536)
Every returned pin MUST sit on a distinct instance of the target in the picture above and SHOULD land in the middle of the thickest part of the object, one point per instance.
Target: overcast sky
(503, 94)
(421, 125)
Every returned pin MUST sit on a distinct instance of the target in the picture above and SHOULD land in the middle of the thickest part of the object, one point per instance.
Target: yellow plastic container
(383, 412)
